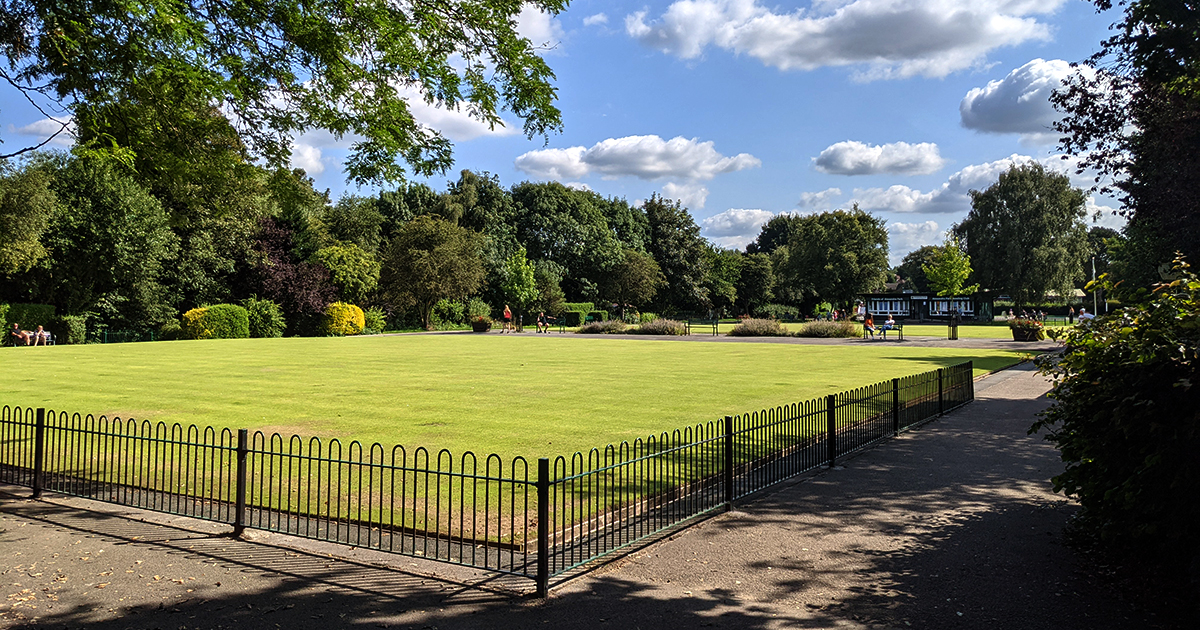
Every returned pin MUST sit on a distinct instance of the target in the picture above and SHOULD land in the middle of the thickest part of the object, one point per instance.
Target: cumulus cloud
(737, 222)
(819, 200)
(899, 158)
(905, 237)
(644, 157)
(454, 123)
(954, 195)
(593, 20)
(542, 29)
(882, 38)
(307, 157)
(47, 127)
(691, 195)
(1019, 103)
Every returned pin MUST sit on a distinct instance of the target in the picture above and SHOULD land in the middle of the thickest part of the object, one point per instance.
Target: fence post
(728, 463)
(831, 427)
(895, 406)
(39, 450)
(941, 392)
(543, 525)
(239, 507)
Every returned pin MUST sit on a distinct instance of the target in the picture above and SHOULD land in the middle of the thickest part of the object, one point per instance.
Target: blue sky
(744, 110)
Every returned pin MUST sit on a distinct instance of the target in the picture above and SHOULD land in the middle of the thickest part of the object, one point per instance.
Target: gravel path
(949, 526)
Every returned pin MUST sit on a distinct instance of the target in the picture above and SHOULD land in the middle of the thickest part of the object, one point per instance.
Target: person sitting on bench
(41, 336)
(890, 324)
(869, 325)
(18, 337)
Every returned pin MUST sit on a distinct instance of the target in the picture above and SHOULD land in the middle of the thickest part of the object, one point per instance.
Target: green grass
(514, 395)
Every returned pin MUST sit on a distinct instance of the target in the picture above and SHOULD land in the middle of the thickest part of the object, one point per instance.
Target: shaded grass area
(513, 395)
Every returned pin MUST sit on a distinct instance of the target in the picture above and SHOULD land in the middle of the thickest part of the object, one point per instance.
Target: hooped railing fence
(538, 522)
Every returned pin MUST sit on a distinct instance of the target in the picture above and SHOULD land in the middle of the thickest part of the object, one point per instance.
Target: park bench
(897, 328)
(707, 324)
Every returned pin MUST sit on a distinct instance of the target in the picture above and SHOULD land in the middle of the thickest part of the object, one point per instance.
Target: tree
(281, 67)
(756, 283)
(833, 257)
(354, 272)
(1133, 116)
(912, 268)
(677, 247)
(354, 220)
(26, 205)
(302, 289)
(949, 269)
(1025, 234)
(723, 268)
(519, 285)
(774, 234)
(633, 281)
(428, 260)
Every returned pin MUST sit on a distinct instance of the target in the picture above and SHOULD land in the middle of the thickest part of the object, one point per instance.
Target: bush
(170, 331)
(477, 308)
(343, 319)
(646, 318)
(266, 318)
(1126, 417)
(4, 315)
(609, 327)
(219, 321)
(1028, 326)
(759, 328)
(839, 329)
(578, 307)
(661, 327)
(572, 318)
(598, 316)
(29, 316)
(374, 321)
(69, 329)
(448, 314)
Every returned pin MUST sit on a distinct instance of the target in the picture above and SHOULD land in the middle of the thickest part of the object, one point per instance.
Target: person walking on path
(508, 322)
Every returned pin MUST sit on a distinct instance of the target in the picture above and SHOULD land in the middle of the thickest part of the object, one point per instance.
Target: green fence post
(941, 392)
(831, 427)
(39, 450)
(239, 506)
(728, 463)
(895, 406)
(543, 525)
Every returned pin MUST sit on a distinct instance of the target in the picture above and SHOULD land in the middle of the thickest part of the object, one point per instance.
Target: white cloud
(882, 38)
(905, 237)
(819, 200)
(953, 196)
(691, 195)
(456, 124)
(46, 127)
(542, 29)
(644, 157)
(577, 186)
(307, 157)
(737, 222)
(1019, 103)
(593, 20)
(900, 158)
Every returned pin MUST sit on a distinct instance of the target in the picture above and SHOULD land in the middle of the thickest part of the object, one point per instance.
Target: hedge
(578, 307)
(599, 316)
(266, 318)
(29, 316)
(572, 318)
(219, 321)
(69, 329)
(343, 319)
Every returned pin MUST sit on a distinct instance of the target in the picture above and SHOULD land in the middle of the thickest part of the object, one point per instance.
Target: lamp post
(1095, 300)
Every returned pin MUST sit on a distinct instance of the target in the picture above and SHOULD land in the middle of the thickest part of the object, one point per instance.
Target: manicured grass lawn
(531, 395)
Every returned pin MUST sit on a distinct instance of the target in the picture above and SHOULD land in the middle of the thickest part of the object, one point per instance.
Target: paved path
(949, 526)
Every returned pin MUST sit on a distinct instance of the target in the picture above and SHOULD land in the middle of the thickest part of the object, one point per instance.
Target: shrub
(572, 318)
(69, 329)
(219, 321)
(839, 329)
(578, 307)
(759, 328)
(374, 321)
(609, 327)
(1126, 416)
(170, 331)
(661, 327)
(598, 316)
(646, 318)
(448, 314)
(4, 315)
(477, 308)
(29, 316)
(343, 319)
(266, 318)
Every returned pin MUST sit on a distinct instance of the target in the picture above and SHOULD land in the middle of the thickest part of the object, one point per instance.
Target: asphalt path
(953, 525)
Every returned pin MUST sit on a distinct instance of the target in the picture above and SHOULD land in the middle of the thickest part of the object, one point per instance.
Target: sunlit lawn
(531, 395)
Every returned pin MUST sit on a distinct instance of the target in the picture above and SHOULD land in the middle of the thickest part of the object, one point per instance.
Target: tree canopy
(281, 67)
(1025, 234)
(948, 271)
(833, 256)
(431, 259)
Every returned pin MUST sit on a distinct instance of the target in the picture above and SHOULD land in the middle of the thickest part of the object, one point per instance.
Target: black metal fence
(484, 512)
